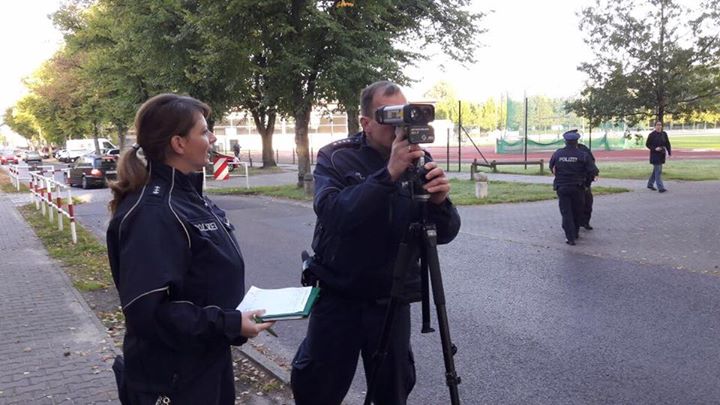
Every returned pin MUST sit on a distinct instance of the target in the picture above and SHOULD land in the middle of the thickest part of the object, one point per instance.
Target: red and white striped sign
(220, 169)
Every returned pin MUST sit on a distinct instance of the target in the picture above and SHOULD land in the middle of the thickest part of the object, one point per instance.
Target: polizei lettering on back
(569, 159)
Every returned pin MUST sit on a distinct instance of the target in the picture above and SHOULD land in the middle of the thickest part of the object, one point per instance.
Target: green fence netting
(602, 143)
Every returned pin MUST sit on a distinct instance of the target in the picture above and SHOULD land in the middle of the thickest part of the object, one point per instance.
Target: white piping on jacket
(172, 186)
(166, 288)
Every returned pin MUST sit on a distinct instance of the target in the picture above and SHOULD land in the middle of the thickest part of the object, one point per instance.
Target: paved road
(53, 350)
(630, 315)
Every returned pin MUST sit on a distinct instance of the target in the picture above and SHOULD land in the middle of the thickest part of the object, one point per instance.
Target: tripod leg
(402, 261)
(449, 349)
(424, 279)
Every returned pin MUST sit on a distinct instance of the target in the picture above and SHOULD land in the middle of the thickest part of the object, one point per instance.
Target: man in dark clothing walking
(571, 168)
(236, 150)
(588, 196)
(659, 144)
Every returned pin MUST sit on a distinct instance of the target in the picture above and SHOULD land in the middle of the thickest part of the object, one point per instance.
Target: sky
(27, 38)
(531, 47)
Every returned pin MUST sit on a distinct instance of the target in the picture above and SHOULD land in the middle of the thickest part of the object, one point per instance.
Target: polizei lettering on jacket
(210, 226)
(569, 159)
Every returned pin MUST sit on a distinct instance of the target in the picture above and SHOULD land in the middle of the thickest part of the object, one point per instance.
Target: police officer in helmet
(571, 167)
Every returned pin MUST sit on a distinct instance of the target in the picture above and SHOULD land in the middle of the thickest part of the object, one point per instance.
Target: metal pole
(447, 152)
(526, 130)
(459, 132)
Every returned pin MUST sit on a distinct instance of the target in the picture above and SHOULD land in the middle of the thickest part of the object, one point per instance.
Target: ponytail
(132, 175)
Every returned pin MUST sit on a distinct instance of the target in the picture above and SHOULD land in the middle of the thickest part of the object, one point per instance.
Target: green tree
(57, 98)
(515, 114)
(118, 87)
(21, 121)
(382, 34)
(490, 115)
(653, 57)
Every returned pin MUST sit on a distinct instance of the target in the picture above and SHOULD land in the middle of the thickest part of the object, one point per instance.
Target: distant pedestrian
(176, 264)
(588, 200)
(659, 144)
(571, 168)
(236, 150)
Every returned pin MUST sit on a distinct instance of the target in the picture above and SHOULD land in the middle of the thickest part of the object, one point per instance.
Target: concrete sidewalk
(53, 350)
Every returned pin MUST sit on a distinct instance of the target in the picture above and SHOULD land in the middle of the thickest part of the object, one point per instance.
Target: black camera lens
(415, 114)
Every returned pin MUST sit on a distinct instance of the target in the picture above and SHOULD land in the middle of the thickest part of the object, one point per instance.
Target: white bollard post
(71, 213)
(481, 185)
(41, 180)
(247, 175)
(49, 184)
(59, 206)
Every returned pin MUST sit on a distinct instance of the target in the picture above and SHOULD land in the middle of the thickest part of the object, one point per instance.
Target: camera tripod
(420, 238)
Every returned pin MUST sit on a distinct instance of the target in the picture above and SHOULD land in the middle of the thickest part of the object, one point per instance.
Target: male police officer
(571, 167)
(587, 195)
(363, 210)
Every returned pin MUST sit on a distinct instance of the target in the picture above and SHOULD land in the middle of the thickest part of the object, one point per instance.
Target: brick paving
(53, 350)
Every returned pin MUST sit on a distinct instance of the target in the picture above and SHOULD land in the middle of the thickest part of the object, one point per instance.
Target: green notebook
(280, 303)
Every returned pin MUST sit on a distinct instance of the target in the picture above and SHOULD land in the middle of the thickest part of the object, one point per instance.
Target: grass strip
(86, 262)
(7, 186)
(685, 170)
(287, 191)
(462, 192)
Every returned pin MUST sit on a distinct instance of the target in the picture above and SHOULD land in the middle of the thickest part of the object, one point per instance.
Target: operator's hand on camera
(437, 184)
(402, 155)
(250, 328)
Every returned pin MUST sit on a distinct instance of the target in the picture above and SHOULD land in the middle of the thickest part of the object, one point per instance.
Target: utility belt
(309, 279)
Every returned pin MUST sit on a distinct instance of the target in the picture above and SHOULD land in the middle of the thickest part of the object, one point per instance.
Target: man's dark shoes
(570, 242)
(662, 191)
(588, 227)
(652, 188)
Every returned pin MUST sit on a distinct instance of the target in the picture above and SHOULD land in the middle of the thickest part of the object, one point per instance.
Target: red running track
(468, 153)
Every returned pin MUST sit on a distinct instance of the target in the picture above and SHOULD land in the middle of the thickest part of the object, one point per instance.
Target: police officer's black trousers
(571, 202)
(339, 331)
(587, 206)
(213, 386)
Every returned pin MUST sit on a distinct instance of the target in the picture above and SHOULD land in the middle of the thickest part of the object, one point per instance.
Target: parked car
(62, 156)
(8, 157)
(92, 170)
(32, 157)
(114, 153)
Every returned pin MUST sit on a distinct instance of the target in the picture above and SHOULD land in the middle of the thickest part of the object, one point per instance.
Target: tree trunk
(353, 123)
(661, 67)
(266, 134)
(96, 135)
(268, 157)
(121, 132)
(302, 121)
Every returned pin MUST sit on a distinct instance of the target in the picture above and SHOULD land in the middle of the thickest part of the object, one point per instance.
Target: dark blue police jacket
(180, 275)
(362, 216)
(572, 167)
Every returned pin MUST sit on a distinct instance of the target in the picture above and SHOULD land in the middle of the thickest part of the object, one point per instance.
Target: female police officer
(176, 263)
